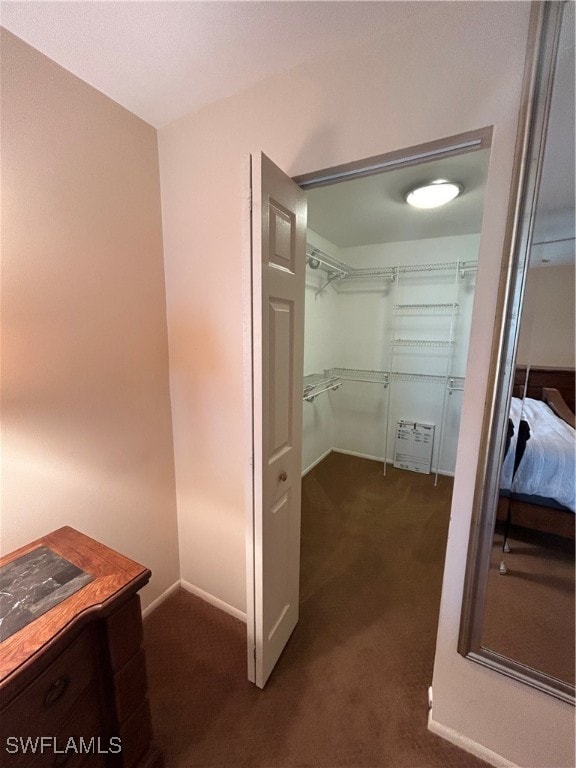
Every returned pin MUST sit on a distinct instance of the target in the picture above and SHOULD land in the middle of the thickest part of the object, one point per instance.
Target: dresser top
(33, 584)
(107, 577)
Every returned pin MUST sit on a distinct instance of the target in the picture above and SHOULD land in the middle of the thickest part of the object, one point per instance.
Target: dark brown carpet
(351, 687)
(529, 612)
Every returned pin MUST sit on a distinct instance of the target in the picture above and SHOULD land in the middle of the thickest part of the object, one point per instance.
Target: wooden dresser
(73, 687)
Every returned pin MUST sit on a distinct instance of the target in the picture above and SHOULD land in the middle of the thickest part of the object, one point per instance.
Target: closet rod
(329, 388)
(318, 258)
(313, 381)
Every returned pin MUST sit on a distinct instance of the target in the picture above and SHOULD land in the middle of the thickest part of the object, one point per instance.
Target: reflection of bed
(539, 493)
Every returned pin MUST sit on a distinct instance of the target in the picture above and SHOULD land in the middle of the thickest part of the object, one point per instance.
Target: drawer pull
(56, 690)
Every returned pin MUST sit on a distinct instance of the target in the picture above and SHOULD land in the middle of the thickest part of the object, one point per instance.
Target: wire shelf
(438, 266)
(385, 272)
(452, 382)
(384, 377)
(338, 270)
(319, 259)
(425, 343)
(419, 309)
(358, 374)
(317, 383)
(424, 378)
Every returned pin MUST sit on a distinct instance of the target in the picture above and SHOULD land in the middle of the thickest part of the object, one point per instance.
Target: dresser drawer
(73, 681)
(124, 628)
(45, 704)
(130, 686)
(77, 742)
(136, 735)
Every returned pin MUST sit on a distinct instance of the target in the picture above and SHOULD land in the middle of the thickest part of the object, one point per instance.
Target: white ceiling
(162, 60)
(372, 210)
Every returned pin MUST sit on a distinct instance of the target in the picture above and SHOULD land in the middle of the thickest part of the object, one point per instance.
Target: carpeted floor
(529, 612)
(350, 688)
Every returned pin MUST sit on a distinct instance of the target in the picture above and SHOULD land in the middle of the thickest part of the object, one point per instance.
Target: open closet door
(278, 273)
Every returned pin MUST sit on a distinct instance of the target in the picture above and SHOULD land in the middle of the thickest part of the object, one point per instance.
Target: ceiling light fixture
(435, 194)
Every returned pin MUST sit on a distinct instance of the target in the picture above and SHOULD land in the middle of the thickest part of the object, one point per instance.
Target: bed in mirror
(518, 612)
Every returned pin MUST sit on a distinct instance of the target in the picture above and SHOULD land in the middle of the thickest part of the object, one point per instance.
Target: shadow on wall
(194, 350)
(207, 396)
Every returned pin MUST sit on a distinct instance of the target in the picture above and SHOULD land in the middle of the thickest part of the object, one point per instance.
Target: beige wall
(547, 326)
(85, 404)
(452, 68)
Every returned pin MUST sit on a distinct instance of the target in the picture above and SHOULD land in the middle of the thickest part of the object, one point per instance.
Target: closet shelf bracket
(331, 279)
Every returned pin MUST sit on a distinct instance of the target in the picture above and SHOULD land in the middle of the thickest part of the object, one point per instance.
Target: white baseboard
(363, 456)
(318, 460)
(155, 603)
(215, 601)
(381, 459)
(468, 745)
(360, 455)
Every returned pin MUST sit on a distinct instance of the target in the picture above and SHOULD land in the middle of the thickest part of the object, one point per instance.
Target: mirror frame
(544, 33)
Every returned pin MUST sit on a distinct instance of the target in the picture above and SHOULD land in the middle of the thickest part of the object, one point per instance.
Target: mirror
(518, 611)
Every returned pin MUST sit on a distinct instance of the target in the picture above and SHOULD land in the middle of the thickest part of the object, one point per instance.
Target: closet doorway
(388, 310)
(388, 297)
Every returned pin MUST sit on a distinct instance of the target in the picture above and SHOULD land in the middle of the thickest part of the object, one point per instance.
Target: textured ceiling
(163, 59)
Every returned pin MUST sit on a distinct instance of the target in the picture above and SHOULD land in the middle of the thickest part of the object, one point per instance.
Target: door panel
(277, 596)
(282, 236)
(278, 269)
(281, 335)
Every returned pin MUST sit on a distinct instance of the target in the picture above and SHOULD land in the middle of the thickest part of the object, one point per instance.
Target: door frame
(463, 143)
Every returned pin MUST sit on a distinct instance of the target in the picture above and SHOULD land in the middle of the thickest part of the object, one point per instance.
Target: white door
(278, 272)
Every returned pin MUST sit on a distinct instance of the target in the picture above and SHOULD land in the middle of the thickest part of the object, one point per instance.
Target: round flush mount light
(435, 194)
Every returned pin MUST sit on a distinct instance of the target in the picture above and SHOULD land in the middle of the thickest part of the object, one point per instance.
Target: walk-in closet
(389, 298)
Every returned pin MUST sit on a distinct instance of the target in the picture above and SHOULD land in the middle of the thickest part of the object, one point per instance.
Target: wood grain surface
(113, 574)
(562, 379)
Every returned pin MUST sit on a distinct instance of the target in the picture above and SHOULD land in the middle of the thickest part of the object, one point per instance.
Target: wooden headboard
(562, 379)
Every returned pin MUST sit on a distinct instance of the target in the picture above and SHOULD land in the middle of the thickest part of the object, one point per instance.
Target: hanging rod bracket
(331, 279)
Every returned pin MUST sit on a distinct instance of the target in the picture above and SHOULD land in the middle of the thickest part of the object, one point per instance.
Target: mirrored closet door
(518, 615)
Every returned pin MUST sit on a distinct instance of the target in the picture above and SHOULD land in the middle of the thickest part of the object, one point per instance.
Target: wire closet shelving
(317, 383)
(338, 270)
(331, 379)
